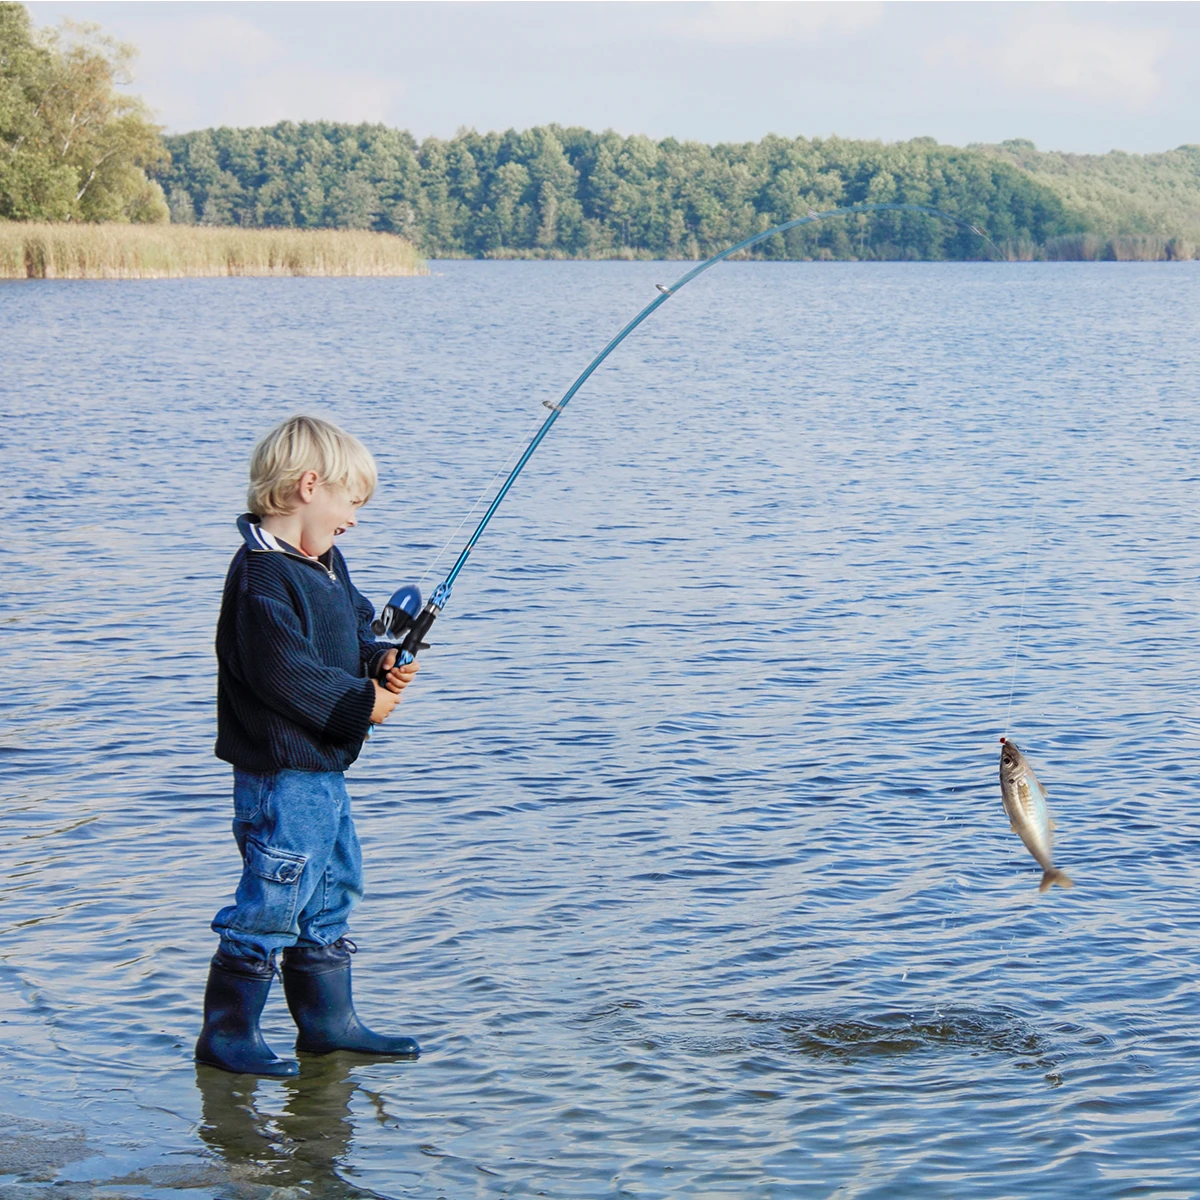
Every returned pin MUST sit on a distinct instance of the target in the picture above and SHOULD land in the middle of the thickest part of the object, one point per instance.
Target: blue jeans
(301, 862)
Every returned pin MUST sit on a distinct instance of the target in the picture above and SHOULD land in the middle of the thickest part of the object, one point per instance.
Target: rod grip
(414, 639)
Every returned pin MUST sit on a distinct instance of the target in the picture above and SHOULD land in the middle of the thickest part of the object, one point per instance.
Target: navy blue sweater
(295, 657)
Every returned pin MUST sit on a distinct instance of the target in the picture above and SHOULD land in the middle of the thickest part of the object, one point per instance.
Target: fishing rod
(404, 614)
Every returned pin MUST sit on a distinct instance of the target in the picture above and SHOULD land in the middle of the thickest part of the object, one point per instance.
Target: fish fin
(1013, 828)
(1050, 878)
(1053, 824)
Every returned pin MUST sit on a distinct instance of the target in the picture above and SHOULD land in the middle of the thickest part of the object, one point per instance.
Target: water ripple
(685, 855)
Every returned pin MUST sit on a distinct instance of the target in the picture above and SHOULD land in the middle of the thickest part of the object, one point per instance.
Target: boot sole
(397, 1055)
(267, 1071)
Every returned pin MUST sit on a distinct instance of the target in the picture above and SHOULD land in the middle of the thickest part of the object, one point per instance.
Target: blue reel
(398, 613)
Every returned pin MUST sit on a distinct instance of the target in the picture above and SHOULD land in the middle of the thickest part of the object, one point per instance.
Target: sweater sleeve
(279, 664)
(370, 651)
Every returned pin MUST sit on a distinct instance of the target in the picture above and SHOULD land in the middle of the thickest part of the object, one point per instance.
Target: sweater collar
(257, 538)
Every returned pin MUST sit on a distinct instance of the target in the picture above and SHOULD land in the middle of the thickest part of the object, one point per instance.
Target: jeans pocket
(269, 892)
(251, 791)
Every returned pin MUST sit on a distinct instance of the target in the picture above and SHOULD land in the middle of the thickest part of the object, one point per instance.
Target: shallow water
(686, 860)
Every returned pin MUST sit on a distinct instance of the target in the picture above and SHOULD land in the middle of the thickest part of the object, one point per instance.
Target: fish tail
(1051, 877)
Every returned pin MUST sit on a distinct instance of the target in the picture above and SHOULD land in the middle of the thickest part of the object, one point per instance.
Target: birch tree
(72, 146)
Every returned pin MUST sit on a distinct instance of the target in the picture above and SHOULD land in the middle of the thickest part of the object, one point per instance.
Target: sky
(1081, 77)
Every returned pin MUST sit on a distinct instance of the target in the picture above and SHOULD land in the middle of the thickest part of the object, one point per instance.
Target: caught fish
(1025, 803)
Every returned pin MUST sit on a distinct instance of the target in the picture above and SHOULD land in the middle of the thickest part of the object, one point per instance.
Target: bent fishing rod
(404, 614)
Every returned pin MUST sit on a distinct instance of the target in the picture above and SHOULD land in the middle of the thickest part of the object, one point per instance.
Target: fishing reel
(404, 616)
(398, 613)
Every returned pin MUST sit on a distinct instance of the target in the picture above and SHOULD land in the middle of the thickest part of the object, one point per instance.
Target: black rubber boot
(233, 1002)
(316, 980)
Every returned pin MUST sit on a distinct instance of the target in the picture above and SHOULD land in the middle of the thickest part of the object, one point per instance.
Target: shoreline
(66, 251)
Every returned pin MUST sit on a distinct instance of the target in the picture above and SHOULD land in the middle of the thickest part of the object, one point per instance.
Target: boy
(297, 690)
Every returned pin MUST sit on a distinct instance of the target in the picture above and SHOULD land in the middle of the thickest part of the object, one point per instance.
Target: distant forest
(558, 192)
(75, 147)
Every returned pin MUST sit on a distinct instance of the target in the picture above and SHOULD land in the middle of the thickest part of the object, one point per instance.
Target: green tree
(353, 203)
(71, 146)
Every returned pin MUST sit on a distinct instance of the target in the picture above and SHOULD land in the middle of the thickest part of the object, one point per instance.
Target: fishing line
(504, 466)
(1020, 617)
(404, 614)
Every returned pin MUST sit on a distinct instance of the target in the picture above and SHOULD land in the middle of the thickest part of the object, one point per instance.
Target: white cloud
(222, 68)
(1052, 52)
(211, 43)
(752, 22)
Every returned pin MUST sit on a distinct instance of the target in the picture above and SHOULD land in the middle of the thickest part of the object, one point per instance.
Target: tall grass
(1128, 247)
(31, 251)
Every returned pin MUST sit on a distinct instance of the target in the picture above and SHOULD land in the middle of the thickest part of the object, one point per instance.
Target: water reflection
(301, 1145)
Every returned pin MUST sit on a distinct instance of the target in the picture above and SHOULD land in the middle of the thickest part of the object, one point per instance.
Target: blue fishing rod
(403, 613)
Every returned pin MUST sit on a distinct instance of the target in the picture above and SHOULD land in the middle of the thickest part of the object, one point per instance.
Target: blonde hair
(303, 444)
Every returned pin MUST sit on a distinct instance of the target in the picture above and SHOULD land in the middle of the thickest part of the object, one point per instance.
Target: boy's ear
(306, 486)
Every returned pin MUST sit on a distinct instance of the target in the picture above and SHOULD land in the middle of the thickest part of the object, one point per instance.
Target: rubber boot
(316, 980)
(233, 1002)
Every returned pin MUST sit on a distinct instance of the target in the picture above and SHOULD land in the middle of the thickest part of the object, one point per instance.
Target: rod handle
(414, 639)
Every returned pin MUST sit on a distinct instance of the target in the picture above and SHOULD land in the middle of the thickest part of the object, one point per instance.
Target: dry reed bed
(33, 251)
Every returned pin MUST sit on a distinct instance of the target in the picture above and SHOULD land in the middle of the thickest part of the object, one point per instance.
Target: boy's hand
(395, 678)
(385, 701)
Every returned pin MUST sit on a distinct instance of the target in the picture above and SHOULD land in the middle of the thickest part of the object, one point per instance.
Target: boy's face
(329, 512)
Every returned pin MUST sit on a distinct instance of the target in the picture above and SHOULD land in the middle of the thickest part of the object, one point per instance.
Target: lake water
(685, 855)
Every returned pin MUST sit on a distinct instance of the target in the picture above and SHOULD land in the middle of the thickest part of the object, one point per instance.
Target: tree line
(569, 192)
(1126, 201)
